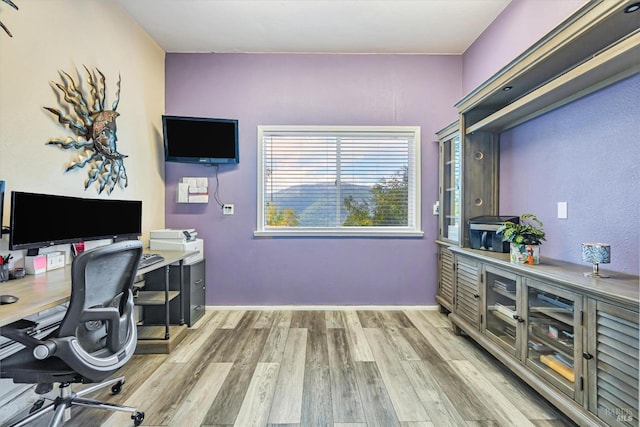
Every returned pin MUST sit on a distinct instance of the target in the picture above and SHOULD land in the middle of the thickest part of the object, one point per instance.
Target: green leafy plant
(528, 232)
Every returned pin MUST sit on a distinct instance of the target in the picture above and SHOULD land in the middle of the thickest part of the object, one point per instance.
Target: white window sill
(349, 232)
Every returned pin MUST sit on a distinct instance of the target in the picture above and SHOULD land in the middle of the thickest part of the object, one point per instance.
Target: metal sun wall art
(13, 5)
(95, 128)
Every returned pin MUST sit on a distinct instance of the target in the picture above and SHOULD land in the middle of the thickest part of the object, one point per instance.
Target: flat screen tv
(200, 140)
(42, 220)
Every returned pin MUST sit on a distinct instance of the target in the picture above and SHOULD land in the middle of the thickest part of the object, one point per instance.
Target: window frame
(356, 231)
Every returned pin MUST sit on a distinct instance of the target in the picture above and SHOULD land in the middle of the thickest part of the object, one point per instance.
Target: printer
(178, 240)
(482, 232)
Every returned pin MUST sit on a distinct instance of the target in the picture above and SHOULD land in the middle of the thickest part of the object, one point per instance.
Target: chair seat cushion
(24, 368)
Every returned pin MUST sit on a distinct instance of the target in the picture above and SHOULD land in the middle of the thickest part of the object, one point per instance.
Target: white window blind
(338, 180)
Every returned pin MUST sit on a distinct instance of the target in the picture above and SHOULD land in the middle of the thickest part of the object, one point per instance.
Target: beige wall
(52, 35)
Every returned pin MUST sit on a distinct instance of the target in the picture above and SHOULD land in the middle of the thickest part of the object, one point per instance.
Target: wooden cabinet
(572, 338)
(503, 312)
(467, 290)
(612, 363)
(446, 270)
(554, 336)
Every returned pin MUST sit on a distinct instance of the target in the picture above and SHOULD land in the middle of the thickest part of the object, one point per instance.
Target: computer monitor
(42, 220)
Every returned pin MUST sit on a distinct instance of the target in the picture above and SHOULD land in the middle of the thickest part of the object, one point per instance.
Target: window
(328, 180)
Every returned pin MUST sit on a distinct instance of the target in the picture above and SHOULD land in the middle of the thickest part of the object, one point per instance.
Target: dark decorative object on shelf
(13, 5)
(96, 130)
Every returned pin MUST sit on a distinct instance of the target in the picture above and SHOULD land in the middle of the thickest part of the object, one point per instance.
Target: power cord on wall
(216, 196)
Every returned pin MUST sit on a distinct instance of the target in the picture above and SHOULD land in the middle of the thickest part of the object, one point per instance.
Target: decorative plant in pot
(525, 239)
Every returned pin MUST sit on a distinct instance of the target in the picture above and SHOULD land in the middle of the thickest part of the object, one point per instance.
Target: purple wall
(518, 27)
(267, 89)
(587, 154)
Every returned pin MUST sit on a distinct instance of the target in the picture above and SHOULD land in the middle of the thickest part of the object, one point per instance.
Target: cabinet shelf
(560, 314)
(154, 297)
(507, 294)
(503, 317)
(552, 343)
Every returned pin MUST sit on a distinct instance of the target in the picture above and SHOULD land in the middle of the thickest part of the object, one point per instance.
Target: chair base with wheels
(61, 405)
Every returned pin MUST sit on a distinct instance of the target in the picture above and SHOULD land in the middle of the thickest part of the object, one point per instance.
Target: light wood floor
(324, 368)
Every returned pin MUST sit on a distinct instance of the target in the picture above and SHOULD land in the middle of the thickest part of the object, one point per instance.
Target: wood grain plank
(466, 400)
(248, 320)
(401, 346)
(257, 401)
(377, 406)
(194, 408)
(347, 407)
(442, 340)
(358, 344)
(274, 346)
(401, 392)
(226, 406)
(286, 407)
(436, 319)
(334, 319)
(193, 343)
(232, 319)
(370, 318)
(316, 395)
(205, 319)
(441, 410)
(395, 319)
(423, 349)
(504, 411)
(417, 424)
(265, 320)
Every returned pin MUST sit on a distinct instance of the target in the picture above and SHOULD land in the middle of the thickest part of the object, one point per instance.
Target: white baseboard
(319, 307)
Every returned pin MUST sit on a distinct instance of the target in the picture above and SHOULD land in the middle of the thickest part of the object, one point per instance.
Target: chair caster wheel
(117, 387)
(137, 418)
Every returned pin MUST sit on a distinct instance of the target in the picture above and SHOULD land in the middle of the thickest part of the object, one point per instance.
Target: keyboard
(150, 259)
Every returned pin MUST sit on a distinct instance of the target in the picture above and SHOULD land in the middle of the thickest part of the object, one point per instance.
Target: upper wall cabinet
(597, 46)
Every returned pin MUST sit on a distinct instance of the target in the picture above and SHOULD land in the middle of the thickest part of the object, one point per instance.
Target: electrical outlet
(227, 209)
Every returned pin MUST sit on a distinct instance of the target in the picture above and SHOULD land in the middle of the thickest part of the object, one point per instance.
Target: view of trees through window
(384, 204)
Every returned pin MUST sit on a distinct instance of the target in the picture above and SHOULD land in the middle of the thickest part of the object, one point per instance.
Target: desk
(37, 293)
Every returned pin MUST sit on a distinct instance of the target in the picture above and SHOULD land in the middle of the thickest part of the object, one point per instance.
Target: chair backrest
(100, 314)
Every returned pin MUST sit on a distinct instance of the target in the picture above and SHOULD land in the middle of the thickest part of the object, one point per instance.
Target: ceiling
(315, 26)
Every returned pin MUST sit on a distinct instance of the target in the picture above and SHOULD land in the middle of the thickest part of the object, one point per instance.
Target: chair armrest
(19, 331)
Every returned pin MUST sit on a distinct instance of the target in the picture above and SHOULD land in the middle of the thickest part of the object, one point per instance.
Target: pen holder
(4, 272)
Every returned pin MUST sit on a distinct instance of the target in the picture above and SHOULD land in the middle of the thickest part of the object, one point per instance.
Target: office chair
(96, 337)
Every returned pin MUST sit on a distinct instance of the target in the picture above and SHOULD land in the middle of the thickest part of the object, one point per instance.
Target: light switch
(562, 210)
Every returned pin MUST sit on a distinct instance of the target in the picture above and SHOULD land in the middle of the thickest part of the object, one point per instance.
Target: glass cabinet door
(450, 176)
(554, 336)
(502, 318)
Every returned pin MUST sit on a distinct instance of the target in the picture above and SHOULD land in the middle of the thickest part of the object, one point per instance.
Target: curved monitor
(200, 140)
(42, 220)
